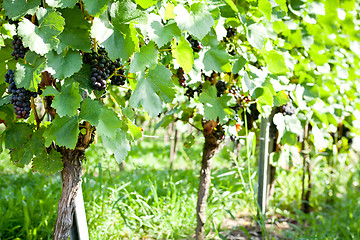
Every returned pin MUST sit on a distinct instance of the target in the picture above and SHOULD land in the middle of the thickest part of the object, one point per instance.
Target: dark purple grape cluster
(288, 109)
(19, 49)
(230, 32)
(21, 98)
(190, 92)
(102, 68)
(119, 78)
(195, 44)
(180, 73)
(221, 86)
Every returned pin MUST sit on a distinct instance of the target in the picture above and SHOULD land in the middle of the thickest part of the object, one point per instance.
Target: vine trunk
(210, 146)
(71, 182)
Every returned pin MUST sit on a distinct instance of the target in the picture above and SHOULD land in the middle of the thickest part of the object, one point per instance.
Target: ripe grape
(182, 77)
(221, 86)
(19, 49)
(230, 32)
(195, 44)
(102, 68)
(21, 97)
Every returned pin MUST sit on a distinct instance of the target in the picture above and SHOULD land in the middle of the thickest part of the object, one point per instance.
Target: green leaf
(198, 23)
(66, 64)
(169, 11)
(76, 33)
(61, 3)
(263, 96)
(256, 35)
(280, 98)
(265, 8)
(123, 12)
(119, 145)
(214, 107)
(48, 163)
(238, 65)
(217, 59)
(116, 44)
(96, 7)
(90, 111)
(7, 114)
(108, 123)
(41, 39)
(29, 77)
(134, 130)
(162, 34)
(17, 135)
(275, 61)
(183, 54)
(22, 155)
(160, 80)
(145, 3)
(147, 57)
(66, 102)
(282, 4)
(64, 131)
(18, 8)
(144, 95)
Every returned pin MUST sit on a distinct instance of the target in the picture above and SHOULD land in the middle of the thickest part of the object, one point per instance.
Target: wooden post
(263, 165)
(79, 229)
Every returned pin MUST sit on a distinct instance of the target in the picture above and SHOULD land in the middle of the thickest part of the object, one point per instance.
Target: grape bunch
(19, 49)
(195, 44)
(230, 32)
(288, 109)
(180, 73)
(21, 97)
(102, 68)
(221, 86)
(190, 92)
(119, 78)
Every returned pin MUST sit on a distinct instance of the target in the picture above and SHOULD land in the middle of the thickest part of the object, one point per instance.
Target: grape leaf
(145, 3)
(116, 44)
(118, 145)
(7, 114)
(161, 34)
(65, 65)
(76, 32)
(90, 111)
(198, 23)
(48, 163)
(217, 59)
(214, 107)
(265, 8)
(41, 39)
(256, 35)
(123, 12)
(108, 123)
(22, 155)
(238, 65)
(160, 80)
(147, 57)
(29, 77)
(275, 61)
(96, 7)
(18, 8)
(68, 100)
(134, 130)
(17, 135)
(144, 95)
(64, 131)
(183, 54)
(61, 3)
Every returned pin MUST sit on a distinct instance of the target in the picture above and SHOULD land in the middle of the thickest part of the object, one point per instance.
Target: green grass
(149, 201)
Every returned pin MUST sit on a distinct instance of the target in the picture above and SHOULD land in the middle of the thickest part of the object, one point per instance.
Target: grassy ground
(149, 201)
